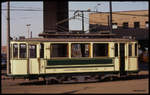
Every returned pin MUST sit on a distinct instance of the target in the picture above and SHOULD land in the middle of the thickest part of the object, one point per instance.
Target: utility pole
(108, 17)
(110, 22)
(8, 37)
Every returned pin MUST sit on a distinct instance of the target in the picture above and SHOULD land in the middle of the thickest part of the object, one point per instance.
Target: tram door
(122, 58)
(33, 60)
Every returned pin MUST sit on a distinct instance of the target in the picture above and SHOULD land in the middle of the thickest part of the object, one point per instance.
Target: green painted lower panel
(79, 61)
(85, 66)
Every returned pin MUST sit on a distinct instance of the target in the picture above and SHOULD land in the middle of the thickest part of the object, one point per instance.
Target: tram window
(32, 51)
(80, 50)
(130, 49)
(116, 49)
(100, 50)
(23, 52)
(59, 50)
(15, 50)
(135, 49)
(41, 50)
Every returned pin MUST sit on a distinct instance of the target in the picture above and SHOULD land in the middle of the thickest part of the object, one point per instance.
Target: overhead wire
(17, 9)
(73, 17)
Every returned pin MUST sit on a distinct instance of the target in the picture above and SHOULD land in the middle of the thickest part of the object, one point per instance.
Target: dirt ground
(131, 84)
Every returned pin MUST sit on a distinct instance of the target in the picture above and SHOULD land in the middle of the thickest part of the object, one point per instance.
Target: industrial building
(121, 19)
(127, 24)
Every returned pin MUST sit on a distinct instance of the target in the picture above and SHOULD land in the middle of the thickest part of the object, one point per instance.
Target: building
(130, 24)
(53, 14)
(122, 19)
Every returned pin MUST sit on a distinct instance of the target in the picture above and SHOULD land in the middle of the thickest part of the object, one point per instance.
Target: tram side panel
(81, 68)
(47, 66)
(131, 60)
(37, 65)
(133, 66)
(132, 57)
(112, 50)
(18, 62)
(18, 67)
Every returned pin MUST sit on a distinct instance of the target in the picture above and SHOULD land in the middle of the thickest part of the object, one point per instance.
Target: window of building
(32, 51)
(100, 50)
(147, 24)
(136, 24)
(59, 50)
(23, 51)
(130, 49)
(135, 49)
(41, 50)
(125, 25)
(15, 50)
(114, 26)
(80, 50)
(116, 49)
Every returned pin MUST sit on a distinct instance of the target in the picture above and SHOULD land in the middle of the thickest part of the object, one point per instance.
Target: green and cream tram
(45, 57)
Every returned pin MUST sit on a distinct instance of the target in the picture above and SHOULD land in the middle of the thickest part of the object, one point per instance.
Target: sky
(19, 19)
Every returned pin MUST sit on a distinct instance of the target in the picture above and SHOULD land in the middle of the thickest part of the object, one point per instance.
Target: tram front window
(130, 49)
(32, 51)
(15, 50)
(116, 49)
(23, 51)
(80, 50)
(41, 50)
(100, 50)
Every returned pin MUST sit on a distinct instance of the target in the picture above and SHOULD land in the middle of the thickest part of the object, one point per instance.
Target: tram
(66, 57)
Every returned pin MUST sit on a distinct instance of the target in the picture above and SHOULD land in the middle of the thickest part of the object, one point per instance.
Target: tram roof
(76, 40)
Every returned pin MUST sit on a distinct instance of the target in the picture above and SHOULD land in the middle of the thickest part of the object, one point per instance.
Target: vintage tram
(67, 57)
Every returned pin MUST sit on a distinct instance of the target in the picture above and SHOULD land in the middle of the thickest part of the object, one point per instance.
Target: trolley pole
(8, 37)
(110, 22)
(82, 21)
